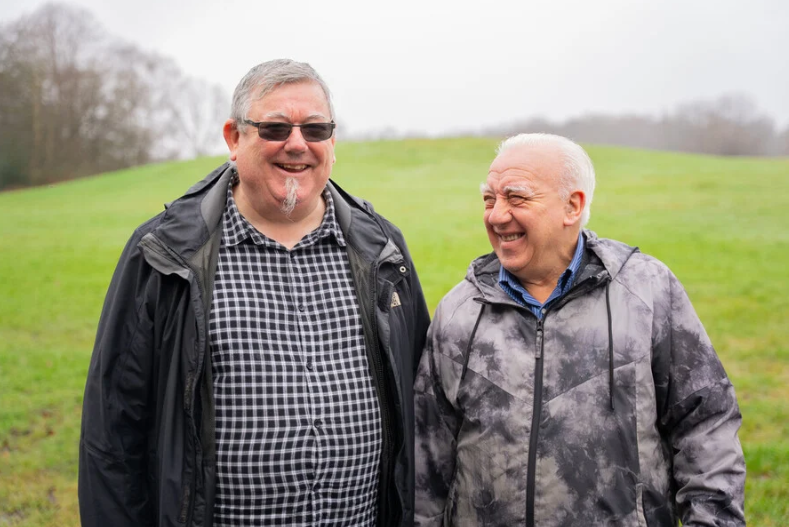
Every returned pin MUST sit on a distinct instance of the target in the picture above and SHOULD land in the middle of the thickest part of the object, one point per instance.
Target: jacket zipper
(531, 474)
(188, 501)
(383, 484)
(191, 395)
(535, 424)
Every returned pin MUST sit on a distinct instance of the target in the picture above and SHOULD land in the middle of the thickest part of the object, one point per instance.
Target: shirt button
(301, 308)
(309, 366)
(318, 423)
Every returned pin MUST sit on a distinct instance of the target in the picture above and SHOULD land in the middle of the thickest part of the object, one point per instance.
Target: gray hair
(578, 168)
(268, 76)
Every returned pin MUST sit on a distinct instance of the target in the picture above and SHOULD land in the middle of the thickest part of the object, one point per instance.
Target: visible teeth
(293, 167)
(509, 237)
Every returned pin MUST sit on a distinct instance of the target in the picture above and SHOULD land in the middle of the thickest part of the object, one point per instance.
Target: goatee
(291, 198)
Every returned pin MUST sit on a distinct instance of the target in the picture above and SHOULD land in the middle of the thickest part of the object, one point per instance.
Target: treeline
(75, 100)
(729, 126)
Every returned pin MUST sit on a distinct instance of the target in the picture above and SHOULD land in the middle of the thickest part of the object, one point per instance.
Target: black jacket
(147, 448)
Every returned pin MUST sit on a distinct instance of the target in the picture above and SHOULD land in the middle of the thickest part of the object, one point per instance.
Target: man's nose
(295, 141)
(500, 213)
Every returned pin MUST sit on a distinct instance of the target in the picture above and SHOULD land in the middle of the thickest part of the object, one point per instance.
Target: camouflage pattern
(668, 451)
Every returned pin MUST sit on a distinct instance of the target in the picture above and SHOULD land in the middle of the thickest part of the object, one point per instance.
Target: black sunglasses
(311, 132)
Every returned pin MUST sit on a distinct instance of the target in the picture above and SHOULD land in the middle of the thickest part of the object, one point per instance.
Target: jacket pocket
(449, 508)
(654, 508)
(186, 492)
(642, 519)
(482, 492)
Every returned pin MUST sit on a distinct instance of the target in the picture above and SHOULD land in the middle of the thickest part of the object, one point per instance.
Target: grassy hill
(720, 224)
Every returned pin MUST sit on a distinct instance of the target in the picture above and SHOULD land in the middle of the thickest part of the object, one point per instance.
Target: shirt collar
(568, 277)
(509, 282)
(237, 229)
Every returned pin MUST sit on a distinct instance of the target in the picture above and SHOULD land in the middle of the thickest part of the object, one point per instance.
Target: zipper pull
(539, 340)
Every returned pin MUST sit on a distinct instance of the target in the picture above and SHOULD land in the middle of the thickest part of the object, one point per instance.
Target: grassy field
(720, 224)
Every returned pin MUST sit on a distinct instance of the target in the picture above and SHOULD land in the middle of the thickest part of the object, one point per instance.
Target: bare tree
(783, 143)
(199, 110)
(729, 125)
(56, 57)
(76, 101)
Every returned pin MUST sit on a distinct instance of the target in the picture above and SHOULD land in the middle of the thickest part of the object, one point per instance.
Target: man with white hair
(255, 356)
(567, 380)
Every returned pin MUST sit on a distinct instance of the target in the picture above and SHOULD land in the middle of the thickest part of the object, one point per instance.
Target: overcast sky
(436, 66)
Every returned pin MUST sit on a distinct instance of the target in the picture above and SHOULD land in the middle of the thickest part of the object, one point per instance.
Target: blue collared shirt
(517, 292)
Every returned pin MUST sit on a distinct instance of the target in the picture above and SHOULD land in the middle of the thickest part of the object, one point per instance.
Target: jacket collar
(363, 229)
(190, 226)
(612, 253)
(610, 256)
(188, 222)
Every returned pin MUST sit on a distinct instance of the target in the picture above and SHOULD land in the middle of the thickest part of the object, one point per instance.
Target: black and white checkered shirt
(298, 426)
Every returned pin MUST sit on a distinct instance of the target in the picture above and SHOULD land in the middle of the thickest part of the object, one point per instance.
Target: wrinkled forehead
(525, 165)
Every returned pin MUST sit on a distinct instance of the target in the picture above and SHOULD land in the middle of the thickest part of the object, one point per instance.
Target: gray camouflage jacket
(612, 410)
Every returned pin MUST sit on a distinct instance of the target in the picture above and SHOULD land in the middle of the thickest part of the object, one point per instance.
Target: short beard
(291, 198)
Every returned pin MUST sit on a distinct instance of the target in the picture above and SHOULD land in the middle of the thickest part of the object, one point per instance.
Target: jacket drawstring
(610, 348)
(470, 340)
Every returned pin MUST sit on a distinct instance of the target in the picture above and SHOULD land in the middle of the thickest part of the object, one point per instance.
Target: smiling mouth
(292, 168)
(509, 237)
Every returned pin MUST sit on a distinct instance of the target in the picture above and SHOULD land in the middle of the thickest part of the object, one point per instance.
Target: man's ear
(231, 134)
(574, 207)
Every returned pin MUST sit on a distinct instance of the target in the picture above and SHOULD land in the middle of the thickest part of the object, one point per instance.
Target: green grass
(720, 224)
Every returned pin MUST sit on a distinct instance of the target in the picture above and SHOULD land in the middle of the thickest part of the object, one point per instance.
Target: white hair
(292, 196)
(578, 168)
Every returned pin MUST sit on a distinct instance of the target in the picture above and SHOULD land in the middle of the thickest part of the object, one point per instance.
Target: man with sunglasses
(256, 351)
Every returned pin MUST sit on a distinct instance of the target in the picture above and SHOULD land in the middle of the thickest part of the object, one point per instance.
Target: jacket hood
(483, 272)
